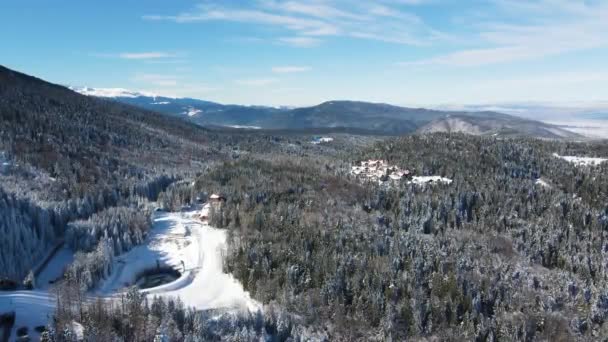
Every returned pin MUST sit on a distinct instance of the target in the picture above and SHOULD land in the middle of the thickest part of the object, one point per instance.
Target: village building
(216, 198)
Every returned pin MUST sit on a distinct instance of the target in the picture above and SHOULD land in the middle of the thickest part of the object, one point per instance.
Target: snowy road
(33, 308)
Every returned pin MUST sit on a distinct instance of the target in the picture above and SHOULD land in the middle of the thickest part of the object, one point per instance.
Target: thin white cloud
(197, 91)
(256, 82)
(156, 79)
(558, 79)
(552, 27)
(310, 22)
(290, 69)
(145, 55)
(300, 42)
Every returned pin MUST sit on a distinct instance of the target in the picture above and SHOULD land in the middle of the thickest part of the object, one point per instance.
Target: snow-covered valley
(177, 240)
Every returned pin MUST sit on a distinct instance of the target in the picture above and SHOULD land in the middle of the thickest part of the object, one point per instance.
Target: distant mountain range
(372, 118)
(592, 110)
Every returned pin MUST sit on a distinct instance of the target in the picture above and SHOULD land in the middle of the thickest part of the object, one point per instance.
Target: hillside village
(379, 171)
(383, 173)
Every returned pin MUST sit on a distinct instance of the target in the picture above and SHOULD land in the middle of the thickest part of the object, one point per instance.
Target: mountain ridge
(359, 116)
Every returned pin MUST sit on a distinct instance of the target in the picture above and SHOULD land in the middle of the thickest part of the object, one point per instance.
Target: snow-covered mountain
(110, 92)
(373, 118)
(202, 112)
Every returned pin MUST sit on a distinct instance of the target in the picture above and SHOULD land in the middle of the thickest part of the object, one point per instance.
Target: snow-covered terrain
(175, 238)
(109, 92)
(430, 179)
(581, 161)
(181, 237)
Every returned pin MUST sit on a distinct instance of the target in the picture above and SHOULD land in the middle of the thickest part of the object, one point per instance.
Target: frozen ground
(175, 238)
(583, 161)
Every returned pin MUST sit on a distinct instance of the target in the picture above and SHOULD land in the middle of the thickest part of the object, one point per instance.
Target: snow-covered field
(582, 161)
(175, 238)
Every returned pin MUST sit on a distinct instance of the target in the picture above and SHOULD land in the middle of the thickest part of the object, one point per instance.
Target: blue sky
(406, 52)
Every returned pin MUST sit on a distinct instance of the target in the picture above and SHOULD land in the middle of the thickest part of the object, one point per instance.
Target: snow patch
(321, 140)
(581, 161)
(542, 182)
(191, 111)
(429, 180)
(161, 103)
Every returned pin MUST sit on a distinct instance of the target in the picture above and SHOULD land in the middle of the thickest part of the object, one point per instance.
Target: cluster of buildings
(215, 201)
(380, 171)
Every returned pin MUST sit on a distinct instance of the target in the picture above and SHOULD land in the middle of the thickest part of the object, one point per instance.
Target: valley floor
(594, 129)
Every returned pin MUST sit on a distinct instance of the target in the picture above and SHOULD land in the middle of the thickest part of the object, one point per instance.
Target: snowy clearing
(582, 161)
(429, 180)
(191, 111)
(175, 238)
(542, 182)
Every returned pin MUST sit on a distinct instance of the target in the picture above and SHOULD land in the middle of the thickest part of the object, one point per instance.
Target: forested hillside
(513, 248)
(495, 255)
(67, 156)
